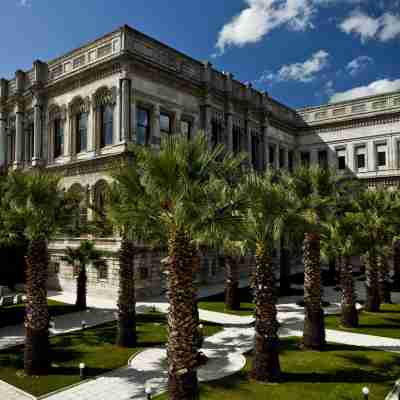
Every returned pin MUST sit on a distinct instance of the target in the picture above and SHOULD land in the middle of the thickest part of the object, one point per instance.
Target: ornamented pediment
(57, 112)
(105, 96)
(79, 105)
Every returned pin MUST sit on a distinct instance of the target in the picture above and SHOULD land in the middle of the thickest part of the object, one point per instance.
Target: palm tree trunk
(396, 264)
(349, 317)
(126, 335)
(284, 278)
(384, 280)
(37, 345)
(266, 366)
(373, 299)
(232, 293)
(81, 288)
(182, 326)
(314, 326)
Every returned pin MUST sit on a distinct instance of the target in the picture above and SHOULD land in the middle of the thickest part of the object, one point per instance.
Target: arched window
(106, 117)
(104, 228)
(11, 141)
(80, 216)
(81, 132)
(58, 138)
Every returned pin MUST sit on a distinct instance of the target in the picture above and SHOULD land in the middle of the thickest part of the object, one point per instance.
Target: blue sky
(303, 52)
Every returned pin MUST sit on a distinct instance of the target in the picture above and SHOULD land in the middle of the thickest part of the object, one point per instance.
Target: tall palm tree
(371, 216)
(339, 240)
(36, 209)
(79, 258)
(182, 177)
(315, 191)
(268, 214)
(133, 213)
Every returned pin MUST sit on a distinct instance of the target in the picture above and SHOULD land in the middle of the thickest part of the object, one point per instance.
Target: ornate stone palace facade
(77, 114)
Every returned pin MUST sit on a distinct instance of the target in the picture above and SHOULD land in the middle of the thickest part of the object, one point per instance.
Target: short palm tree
(268, 214)
(314, 191)
(36, 209)
(132, 212)
(181, 178)
(79, 258)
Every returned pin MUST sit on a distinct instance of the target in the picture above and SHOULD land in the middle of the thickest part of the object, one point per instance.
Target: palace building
(77, 114)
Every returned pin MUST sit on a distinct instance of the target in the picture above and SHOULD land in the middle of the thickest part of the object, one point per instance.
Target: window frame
(58, 133)
(106, 123)
(79, 148)
(164, 114)
(146, 127)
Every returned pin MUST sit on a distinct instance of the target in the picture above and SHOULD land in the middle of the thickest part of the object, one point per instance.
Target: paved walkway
(225, 349)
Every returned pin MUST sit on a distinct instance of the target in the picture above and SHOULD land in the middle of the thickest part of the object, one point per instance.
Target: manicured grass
(94, 347)
(337, 373)
(385, 323)
(217, 302)
(15, 314)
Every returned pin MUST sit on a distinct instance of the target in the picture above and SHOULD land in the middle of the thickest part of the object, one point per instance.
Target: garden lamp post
(365, 392)
(148, 392)
(82, 371)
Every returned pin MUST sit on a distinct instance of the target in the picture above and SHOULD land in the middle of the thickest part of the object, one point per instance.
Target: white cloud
(358, 64)
(303, 72)
(383, 28)
(377, 87)
(262, 16)
(25, 3)
(328, 88)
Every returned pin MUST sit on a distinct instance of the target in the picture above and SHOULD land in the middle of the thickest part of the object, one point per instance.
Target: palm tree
(268, 214)
(372, 215)
(182, 177)
(79, 258)
(37, 209)
(132, 212)
(314, 191)
(339, 240)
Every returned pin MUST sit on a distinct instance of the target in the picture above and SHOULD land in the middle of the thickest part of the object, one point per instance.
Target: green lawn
(385, 323)
(13, 315)
(217, 302)
(94, 347)
(338, 373)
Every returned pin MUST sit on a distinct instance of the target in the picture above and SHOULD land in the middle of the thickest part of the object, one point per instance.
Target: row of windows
(360, 161)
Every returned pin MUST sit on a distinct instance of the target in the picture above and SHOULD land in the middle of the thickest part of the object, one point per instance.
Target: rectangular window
(271, 156)
(281, 158)
(165, 124)
(81, 134)
(291, 160)
(381, 155)
(217, 130)
(29, 142)
(236, 139)
(186, 129)
(360, 161)
(106, 116)
(305, 158)
(361, 157)
(58, 138)
(11, 142)
(143, 126)
(254, 151)
(341, 159)
(323, 159)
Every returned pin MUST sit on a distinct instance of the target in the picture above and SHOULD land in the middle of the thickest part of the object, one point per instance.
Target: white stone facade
(78, 113)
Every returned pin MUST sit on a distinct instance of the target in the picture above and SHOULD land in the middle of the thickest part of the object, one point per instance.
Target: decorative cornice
(354, 123)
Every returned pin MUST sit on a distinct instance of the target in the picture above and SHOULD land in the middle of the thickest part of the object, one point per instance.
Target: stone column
(286, 158)
(277, 159)
(19, 132)
(371, 156)
(37, 132)
(351, 153)
(176, 127)
(125, 109)
(155, 127)
(3, 138)
(314, 157)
